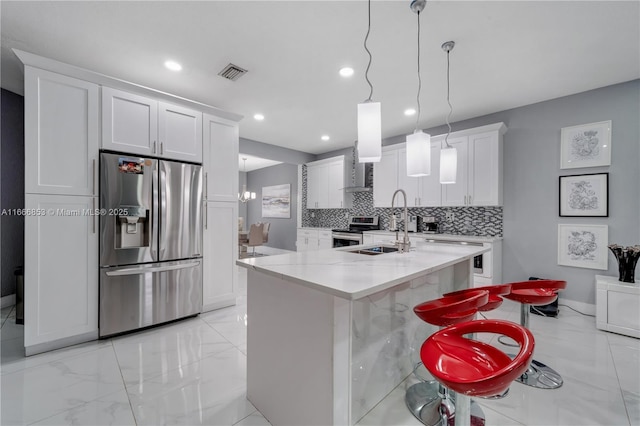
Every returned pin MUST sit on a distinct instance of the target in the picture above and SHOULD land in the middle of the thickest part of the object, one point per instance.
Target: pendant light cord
(446, 138)
(419, 78)
(366, 73)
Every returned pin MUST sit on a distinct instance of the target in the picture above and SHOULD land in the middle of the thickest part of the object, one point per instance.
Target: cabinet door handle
(161, 148)
(206, 185)
(93, 173)
(465, 200)
(154, 147)
(206, 215)
(93, 219)
(469, 199)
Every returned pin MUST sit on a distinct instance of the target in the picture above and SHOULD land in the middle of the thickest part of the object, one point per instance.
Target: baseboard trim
(60, 343)
(9, 300)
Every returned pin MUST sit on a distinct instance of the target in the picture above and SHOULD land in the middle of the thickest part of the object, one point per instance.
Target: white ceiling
(507, 54)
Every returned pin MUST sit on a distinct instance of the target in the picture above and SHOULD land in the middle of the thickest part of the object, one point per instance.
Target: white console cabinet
(617, 306)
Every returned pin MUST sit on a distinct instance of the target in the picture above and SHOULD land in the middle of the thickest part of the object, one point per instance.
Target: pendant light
(419, 143)
(448, 155)
(369, 118)
(245, 195)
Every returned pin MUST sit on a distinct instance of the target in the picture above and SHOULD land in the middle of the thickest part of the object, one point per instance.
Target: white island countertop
(353, 276)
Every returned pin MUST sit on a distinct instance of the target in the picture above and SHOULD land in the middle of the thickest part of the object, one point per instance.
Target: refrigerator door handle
(162, 234)
(146, 269)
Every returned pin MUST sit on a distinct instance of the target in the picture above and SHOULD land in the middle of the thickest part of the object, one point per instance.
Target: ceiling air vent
(232, 72)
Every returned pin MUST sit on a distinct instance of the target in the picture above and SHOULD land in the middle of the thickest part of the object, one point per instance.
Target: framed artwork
(584, 195)
(276, 201)
(583, 246)
(586, 145)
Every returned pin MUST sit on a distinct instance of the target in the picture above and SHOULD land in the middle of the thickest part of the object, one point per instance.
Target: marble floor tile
(156, 351)
(113, 409)
(42, 391)
(211, 391)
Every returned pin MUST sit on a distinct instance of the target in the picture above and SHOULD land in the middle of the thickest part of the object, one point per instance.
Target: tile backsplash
(481, 221)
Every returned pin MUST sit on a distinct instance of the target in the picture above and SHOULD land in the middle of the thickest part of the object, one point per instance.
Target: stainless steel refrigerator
(150, 242)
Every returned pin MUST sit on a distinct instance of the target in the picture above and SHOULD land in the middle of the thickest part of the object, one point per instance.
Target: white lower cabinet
(220, 251)
(308, 239)
(61, 271)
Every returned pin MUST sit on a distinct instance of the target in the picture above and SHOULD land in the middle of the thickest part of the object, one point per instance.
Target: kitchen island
(331, 332)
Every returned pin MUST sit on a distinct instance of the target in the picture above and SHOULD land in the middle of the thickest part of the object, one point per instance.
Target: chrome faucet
(405, 244)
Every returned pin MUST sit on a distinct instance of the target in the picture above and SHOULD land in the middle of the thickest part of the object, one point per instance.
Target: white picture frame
(583, 246)
(586, 145)
(584, 195)
(276, 201)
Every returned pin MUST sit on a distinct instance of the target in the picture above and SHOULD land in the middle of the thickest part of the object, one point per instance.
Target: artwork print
(276, 201)
(583, 246)
(587, 145)
(584, 195)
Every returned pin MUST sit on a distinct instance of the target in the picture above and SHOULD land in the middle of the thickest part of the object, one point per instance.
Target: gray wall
(11, 188)
(531, 171)
(272, 152)
(282, 233)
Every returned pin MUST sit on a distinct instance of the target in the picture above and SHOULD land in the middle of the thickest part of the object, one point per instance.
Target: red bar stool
(473, 368)
(495, 295)
(426, 400)
(536, 293)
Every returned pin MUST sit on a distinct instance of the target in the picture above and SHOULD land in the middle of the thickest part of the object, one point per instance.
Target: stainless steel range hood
(362, 178)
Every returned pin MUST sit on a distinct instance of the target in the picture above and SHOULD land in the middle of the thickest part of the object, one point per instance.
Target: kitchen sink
(372, 251)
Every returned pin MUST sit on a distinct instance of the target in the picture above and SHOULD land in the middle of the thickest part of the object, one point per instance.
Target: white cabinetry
(326, 182)
(391, 173)
(61, 272)
(140, 125)
(220, 148)
(617, 306)
(220, 238)
(61, 134)
(479, 177)
(220, 250)
(61, 240)
(309, 239)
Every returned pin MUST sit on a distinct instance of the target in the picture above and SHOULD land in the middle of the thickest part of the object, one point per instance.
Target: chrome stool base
(540, 376)
(426, 405)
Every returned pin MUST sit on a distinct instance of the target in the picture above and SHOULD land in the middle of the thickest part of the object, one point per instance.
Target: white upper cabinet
(326, 180)
(129, 122)
(61, 135)
(430, 188)
(479, 178)
(220, 161)
(137, 124)
(385, 178)
(180, 132)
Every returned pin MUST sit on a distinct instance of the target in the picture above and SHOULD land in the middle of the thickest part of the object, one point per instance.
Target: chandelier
(245, 195)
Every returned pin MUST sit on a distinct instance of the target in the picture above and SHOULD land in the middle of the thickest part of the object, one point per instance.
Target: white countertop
(353, 276)
(440, 237)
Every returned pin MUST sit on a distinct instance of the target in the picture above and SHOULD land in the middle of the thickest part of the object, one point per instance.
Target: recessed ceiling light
(346, 72)
(409, 111)
(173, 65)
(259, 117)
(325, 137)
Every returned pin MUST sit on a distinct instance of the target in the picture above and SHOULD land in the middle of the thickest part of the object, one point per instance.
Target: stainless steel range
(352, 236)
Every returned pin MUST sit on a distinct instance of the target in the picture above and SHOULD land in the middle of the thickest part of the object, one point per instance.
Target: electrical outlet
(449, 216)
(346, 215)
(313, 214)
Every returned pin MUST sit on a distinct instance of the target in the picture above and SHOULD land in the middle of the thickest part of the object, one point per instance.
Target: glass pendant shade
(419, 154)
(448, 165)
(369, 132)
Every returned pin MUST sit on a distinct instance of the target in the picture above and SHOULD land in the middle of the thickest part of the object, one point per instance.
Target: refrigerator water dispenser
(132, 229)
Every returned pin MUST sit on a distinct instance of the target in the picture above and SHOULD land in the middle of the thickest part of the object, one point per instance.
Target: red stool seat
(495, 293)
(536, 292)
(453, 309)
(475, 368)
